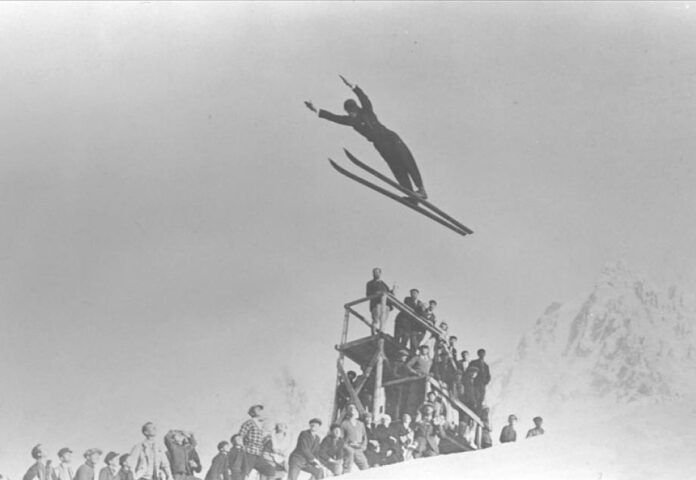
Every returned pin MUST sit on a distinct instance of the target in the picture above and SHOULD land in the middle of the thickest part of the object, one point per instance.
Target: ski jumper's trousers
(399, 159)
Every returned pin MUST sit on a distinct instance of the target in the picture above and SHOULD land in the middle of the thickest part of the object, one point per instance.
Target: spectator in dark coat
(125, 473)
(110, 472)
(470, 397)
(304, 457)
(421, 364)
(182, 454)
(219, 468)
(343, 398)
(483, 378)
(508, 433)
(86, 470)
(331, 450)
(404, 323)
(236, 458)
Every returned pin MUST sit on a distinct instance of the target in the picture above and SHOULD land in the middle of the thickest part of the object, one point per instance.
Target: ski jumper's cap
(315, 420)
(110, 456)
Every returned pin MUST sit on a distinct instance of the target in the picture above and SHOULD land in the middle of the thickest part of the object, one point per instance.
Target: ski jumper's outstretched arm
(365, 102)
(332, 117)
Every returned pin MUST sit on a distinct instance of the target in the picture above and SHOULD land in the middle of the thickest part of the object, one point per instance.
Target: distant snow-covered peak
(624, 340)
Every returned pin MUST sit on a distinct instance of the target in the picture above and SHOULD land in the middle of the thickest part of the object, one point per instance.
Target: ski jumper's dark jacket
(389, 145)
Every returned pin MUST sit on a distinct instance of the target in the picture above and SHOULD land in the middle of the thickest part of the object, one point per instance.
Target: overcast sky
(173, 236)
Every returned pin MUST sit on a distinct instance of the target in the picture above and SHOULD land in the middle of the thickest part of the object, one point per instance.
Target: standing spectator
(378, 308)
(452, 346)
(537, 430)
(304, 457)
(464, 361)
(219, 468)
(404, 435)
(125, 473)
(277, 450)
(355, 438)
(331, 450)
(110, 472)
(403, 323)
(181, 452)
(427, 433)
(483, 378)
(253, 438)
(41, 468)
(64, 470)
(236, 458)
(470, 397)
(86, 470)
(429, 313)
(508, 433)
(147, 459)
(420, 364)
(437, 404)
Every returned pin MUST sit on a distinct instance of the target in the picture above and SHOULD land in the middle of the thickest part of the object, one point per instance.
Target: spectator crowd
(356, 440)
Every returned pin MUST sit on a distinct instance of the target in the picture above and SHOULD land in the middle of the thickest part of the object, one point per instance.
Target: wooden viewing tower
(394, 392)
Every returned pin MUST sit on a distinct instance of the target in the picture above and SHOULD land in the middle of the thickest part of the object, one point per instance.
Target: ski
(397, 198)
(394, 184)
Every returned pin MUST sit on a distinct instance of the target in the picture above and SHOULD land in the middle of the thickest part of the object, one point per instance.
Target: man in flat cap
(147, 460)
(110, 472)
(64, 470)
(41, 469)
(304, 457)
(253, 438)
(181, 452)
(86, 470)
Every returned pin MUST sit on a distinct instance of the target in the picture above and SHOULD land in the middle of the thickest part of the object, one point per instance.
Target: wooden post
(344, 332)
(378, 397)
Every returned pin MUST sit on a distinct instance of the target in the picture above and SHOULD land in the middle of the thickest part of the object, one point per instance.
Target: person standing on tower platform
(404, 322)
(483, 378)
(389, 145)
(378, 308)
(537, 430)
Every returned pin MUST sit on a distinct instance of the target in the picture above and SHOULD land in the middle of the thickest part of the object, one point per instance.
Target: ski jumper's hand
(311, 106)
(348, 84)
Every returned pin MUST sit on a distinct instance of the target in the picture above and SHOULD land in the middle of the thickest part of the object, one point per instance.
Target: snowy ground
(628, 443)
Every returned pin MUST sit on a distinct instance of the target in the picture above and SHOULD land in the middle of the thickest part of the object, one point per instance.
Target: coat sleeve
(31, 473)
(365, 102)
(305, 446)
(332, 117)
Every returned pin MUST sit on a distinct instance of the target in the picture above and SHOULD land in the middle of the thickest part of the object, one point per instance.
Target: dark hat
(415, 290)
(91, 451)
(110, 456)
(63, 451)
(537, 419)
(315, 420)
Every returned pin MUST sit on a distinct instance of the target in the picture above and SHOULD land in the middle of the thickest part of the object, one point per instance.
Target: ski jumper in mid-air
(389, 145)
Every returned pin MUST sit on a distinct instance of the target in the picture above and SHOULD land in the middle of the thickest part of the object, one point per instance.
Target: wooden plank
(377, 400)
(351, 392)
(360, 317)
(366, 374)
(402, 380)
(456, 403)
